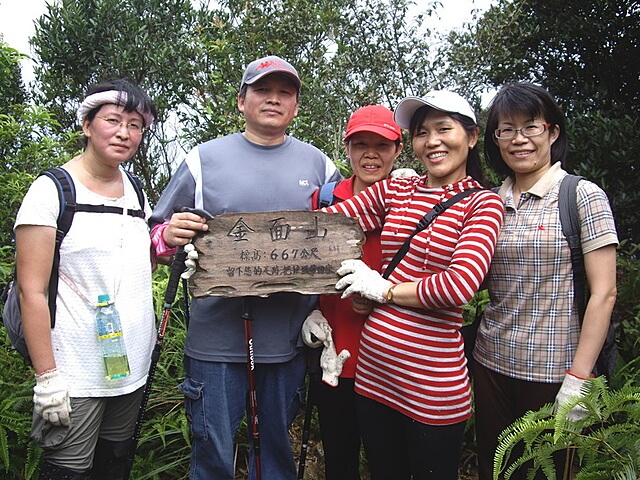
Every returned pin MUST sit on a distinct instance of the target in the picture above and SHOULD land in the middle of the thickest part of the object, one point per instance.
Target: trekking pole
(314, 362)
(185, 302)
(177, 267)
(306, 432)
(253, 401)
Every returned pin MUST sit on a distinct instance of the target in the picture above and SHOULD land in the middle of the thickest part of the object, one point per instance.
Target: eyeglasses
(115, 123)
(532, 130)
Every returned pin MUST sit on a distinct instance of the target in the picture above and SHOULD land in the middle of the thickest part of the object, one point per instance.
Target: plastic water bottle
(111, 340)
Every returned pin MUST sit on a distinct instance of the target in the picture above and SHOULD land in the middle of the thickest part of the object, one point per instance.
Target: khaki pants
(72, 447)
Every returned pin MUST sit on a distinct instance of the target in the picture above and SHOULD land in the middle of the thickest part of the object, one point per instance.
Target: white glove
(190, 261)
(571, 388)
(331, 363)
(362, 280)
(403, 173)
(315, 326)
(51, 398)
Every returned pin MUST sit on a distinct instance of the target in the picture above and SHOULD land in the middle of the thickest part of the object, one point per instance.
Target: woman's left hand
(361, 279)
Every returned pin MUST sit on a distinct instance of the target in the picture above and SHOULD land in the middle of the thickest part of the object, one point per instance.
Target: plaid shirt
(531, 328)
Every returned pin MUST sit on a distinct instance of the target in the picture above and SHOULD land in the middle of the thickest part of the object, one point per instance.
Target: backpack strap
(137, 186)
(67, 197)
(68, 207)
(325, 197)
(86, 207)
(570, 221)
(424, 222)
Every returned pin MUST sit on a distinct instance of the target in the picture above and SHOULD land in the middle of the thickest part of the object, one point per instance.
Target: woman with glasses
(530, 348)
(82, 419)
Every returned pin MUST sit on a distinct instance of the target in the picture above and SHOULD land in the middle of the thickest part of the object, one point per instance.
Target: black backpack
(11, 315)
(568, 205)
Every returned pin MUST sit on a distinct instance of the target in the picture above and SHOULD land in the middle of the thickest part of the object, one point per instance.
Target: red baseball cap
(376, 119)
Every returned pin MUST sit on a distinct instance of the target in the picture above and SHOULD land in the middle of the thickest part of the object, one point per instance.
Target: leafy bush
(19, 458)
(606, 443)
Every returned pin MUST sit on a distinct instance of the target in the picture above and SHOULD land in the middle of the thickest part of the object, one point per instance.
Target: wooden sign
(255, 254)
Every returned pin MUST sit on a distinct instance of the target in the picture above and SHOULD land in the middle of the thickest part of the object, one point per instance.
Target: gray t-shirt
(232, 174)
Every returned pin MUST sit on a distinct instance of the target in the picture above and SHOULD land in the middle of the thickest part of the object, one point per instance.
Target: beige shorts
(109, 418)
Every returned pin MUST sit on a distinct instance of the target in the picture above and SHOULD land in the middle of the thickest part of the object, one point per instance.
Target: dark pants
(338, 428)
(499, 401)
(400, 448)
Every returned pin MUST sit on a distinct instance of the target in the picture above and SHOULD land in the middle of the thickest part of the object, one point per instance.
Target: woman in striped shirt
(414, 395)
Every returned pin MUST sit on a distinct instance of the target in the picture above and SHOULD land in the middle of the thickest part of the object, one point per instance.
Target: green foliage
(627, 310)
(605, 149)
(153, 43)
(29, 144)
(606, 443)
(579, 51)
(165, 443)
(10, 79)
(472, 310)
(19, 458)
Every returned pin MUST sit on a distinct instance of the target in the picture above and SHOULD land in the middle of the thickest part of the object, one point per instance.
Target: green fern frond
(628, 473)
(607, 441)
(34, 454)
(4, 449)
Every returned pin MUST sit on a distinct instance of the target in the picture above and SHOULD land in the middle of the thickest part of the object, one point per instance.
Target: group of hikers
(403, 391)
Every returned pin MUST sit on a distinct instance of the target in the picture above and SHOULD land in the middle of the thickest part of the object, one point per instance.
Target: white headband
(116, 97)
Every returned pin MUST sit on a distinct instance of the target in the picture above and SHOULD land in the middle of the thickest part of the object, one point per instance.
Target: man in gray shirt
(258, 169)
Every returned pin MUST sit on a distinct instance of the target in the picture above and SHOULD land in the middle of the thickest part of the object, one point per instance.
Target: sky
(17, 16)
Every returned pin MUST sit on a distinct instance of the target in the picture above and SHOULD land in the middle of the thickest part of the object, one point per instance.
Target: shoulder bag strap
(424, 223)
(325, 196)
(137, 186)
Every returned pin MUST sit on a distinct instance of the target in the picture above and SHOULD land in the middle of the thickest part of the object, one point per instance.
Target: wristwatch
(389, 296)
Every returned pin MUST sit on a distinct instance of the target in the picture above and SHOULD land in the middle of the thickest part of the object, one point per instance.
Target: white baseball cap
(442, 100)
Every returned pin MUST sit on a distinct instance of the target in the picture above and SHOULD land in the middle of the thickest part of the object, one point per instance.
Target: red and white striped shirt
(412, 359)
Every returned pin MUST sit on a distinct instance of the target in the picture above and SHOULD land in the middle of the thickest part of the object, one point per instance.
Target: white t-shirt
(101, 253)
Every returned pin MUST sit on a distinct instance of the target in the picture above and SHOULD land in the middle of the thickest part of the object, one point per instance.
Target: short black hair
(525, 99)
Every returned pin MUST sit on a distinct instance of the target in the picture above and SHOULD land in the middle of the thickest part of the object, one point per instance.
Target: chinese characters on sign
(260, 253)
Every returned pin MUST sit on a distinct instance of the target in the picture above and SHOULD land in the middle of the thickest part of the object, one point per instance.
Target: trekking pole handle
(177, 267)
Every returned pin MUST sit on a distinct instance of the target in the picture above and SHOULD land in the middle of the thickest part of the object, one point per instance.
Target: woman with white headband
(83, 420)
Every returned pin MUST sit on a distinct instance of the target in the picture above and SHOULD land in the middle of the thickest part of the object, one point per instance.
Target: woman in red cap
(372, 141)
